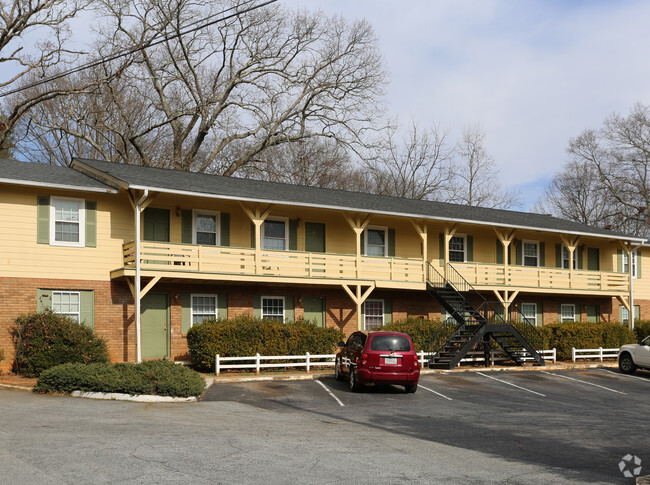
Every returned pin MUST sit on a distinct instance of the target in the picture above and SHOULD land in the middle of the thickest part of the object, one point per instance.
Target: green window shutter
(619, 261)
(520, 253)
(186, 223)
(293, 235)
(43, 220)
(43, 300)
(542, 254)
(224, 229)
(289, 313)
(559, 312)
(363, 316)
(186, 312)
(637, 313)
(441, 248)
(470, 248)
(388, 311)
(638, 263)
(257, 307)
(391, 243)
(87, 300)
(252, 235)
(91, 224)
(499, 247)
(558, 255)
(222, 307)
(363, 242)
(580, 250)
(540, 314)
(578, 311)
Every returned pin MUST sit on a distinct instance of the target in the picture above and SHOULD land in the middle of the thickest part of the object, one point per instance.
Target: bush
(642, 329)
(245, 336)
(427, 335)
(564, 336)
(45, 339)
(158, 377)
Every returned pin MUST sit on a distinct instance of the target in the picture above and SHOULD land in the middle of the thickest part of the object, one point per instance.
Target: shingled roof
(44, 175)
(191, 183)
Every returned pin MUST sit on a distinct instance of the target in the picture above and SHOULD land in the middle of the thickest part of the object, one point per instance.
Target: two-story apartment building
(142, 254)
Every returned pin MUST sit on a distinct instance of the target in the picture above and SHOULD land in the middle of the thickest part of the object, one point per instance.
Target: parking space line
(437, 393)
(626, 375)
(330, 393)
(584, 382)
(513, 385)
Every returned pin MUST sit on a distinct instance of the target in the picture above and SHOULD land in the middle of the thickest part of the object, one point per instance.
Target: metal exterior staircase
(472, 319)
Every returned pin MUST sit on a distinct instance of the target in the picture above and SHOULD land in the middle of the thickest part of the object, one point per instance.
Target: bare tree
(21, 60)
(475, 178)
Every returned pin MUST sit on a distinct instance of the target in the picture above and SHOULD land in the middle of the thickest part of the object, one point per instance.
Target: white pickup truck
(634, 356)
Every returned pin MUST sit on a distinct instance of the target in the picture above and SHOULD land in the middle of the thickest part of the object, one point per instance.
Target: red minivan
(378, 358)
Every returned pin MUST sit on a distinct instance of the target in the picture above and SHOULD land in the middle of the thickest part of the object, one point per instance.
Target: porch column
(358, 226)
(506, 239)
(571, 244)
(629, 249)
(358, 298)
(450, 230)
(421, 229)
(257, 215)
(506, 300)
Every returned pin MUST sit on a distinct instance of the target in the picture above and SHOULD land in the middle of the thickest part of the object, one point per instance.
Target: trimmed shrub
(158, 377)
(45, 339)
(245, 336)
(427, 335)
(2, 355)
(564, 336)
(642, 329)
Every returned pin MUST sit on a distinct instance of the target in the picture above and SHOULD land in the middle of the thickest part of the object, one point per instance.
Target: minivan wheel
(626, 364)
(337, 370)
(354, 385)
(411, 388)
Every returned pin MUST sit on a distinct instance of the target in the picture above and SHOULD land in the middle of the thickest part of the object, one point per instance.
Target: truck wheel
(625, 364)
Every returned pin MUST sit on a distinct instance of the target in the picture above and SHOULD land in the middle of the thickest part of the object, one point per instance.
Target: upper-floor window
(375, 241)
(275, 234)
(206, 228)
(531, 253)
(67, 303)
(626, 264)
(565, 258)
(67, 222)
(458, 249)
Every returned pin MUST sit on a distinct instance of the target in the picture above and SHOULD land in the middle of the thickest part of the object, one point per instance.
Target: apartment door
(593, 314)
(154, 324)
(156, 224)
(315, 309)
(315, 237)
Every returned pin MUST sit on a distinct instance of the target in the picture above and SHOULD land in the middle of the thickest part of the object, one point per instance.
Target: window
(206, 228)
(567, 313)
(203, 307)
(375, 242)
(457, 248)
(67, 222)
(565, 258)
(529, 311)
(274, 235)
(374, 314)
(67, 303)
(531, 253)
(625, 314)
(273, 308)
(626, 267)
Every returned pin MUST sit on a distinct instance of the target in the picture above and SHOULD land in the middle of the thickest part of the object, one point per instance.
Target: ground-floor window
(567, 313)
(625, 314)
(374, 314)
(67, 303)
(204, 307)
(529, 311)
(273, 308)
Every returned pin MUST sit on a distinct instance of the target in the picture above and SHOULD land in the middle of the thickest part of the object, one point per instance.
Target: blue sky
(532, 73)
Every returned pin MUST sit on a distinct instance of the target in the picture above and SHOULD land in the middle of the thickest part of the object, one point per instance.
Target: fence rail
(599, 353)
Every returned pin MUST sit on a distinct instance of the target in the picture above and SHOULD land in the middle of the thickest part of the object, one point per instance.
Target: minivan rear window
(390, 342)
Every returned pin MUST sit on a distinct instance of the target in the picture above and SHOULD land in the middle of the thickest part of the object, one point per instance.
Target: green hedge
(45, 339)
(564, 336)
(244, 336)
(157, 377)
(642, 329)
(427, 335)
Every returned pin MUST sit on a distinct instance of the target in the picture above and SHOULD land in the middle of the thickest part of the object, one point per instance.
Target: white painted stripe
(626, 375)
(513, 385)
(583, 382)
(437, 393)
(330, 393)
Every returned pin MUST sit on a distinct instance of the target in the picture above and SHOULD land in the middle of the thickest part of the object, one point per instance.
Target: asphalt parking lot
(583, 422)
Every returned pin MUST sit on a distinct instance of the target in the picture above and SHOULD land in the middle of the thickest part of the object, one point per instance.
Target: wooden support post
(421, 229)
(257, 215)
(571, 245)
(359, 298)
(450, 230)
(358, 226)
(506, 239)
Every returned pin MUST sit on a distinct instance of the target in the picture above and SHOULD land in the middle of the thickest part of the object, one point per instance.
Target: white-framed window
(625, 314)
(273, 308)
(373, 314)
(458, 248)
(529, 310)
(67, 303)
(67, 222)
(203, 307)
(376, 241)
(567, 313)
(565, 258)
(530, 253)
(626, 266)
(275, 234)
(205, 227)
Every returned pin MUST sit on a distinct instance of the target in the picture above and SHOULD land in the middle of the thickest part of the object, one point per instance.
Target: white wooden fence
(599, 353)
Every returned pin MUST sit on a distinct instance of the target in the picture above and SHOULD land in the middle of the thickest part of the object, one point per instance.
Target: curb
(117, 396)
(19, 388)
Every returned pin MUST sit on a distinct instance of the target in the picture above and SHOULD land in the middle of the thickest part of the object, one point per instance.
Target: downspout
(136, 297)
(631, 313)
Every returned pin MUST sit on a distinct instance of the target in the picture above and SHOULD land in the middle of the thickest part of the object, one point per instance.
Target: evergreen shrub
(427, 335)
(582, 335)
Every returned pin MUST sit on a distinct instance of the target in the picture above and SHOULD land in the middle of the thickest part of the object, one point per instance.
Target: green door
(154, 324)
(315, 309)
(315, 237)
(156, 224)
(592, 313)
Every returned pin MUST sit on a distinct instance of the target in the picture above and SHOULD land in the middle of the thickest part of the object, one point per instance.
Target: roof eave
(80, 188)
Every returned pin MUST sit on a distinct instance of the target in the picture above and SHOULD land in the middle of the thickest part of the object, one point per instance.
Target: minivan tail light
(364, 356)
